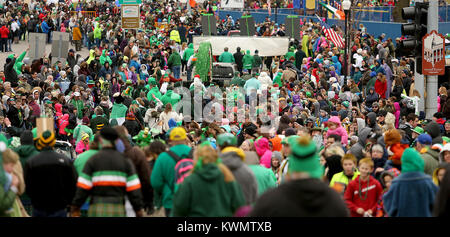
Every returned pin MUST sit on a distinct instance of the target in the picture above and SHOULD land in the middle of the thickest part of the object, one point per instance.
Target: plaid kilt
(106, 210)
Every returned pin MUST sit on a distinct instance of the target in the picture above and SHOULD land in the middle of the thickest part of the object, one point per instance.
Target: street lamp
(346, 4)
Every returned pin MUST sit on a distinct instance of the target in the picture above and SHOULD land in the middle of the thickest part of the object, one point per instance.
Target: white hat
(330, 53)
(359, 51)
(76, 93)
(333, 79)
(116, 94)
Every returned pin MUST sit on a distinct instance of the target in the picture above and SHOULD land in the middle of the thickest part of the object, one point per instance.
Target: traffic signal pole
(432, 81)
(419, 83)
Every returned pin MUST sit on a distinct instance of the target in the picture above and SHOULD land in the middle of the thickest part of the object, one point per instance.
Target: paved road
(23, 45)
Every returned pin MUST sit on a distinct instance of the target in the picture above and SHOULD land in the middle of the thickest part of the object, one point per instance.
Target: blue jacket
(337, 65)
(45, 28)
(411, 194)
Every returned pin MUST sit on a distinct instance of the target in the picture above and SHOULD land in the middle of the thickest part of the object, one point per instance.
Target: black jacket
(132, 127)
(10, 73)
(301, 198)
(238, 59)
(50, 180)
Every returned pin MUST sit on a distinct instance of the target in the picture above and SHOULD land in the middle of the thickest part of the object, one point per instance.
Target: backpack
(183, 165)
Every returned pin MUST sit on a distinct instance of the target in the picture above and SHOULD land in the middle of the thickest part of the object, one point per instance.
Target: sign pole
(432, 81)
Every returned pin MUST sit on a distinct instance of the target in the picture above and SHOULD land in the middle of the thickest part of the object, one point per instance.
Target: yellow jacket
(175, 36)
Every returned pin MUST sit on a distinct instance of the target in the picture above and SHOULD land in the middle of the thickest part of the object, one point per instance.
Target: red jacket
(380, 88)
(351, 196)
(4, 32)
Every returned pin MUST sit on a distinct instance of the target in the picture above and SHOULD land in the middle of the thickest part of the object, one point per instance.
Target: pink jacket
(338, 131)
(81, 147)
(63, 122)
(397, 114)
(264, 152)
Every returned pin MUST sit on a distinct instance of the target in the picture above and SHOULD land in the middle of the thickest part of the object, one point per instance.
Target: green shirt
(265, 178)
(226, 57)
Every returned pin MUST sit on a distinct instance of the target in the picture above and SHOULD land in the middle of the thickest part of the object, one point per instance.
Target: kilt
(106, 210)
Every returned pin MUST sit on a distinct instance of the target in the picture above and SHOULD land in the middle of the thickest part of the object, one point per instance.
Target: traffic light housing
(414, 31)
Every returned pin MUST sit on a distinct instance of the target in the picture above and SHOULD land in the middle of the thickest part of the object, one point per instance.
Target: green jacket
(277, 79)
(247, 60)
(81, 160)
(154, 91)
(174, 59)
(163, 174)
(265, 177)
(80, 107)
(105, 58)
(257, 61)
(118, 111)
(188, 52)
(18, 64)
(170, 97)
(25, 152)
(205, 193)
(7, 199)
(97, 32)
(226, 57)
(79, 130)
(431, 160)
(289, 55)
(96, 123)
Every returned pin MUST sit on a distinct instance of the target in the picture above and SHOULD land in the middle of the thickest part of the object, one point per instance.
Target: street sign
(37, 43)
(130, 17)
(433, 54)
(130, 2)
(60, 46)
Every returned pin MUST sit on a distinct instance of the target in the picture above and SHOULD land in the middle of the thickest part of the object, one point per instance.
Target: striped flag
(338, 13)
(332, 35)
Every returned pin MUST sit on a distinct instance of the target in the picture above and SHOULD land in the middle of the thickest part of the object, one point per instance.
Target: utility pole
(432, 81)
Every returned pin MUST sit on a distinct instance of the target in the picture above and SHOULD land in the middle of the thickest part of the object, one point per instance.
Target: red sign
(433, 54)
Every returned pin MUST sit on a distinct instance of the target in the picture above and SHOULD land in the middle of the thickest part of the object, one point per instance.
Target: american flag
(332, 35)
(336, 4)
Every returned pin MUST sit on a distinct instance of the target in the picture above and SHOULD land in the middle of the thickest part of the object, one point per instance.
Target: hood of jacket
(261, 146)
(361, 124)
(397, 106)
(232, 157)
(412, 161)
(441, 155)
(208, 172)
(58, 107)
(11, 56)
(335, 59)
(191, 46)
(365, 132)
(335, 119)
(373, 118)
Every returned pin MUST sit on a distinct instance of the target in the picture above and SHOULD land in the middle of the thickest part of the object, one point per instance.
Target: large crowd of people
(118, 145)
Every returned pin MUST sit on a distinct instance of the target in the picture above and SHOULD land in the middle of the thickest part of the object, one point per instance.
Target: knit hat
(26, 138)
(412, 161)
(109, 134)
(85, 136)
(178, 134)
(47, 139)
(424, 139)
(227, 138)
(277, 155)
(418, 130)
(305, 158)
(392, 137)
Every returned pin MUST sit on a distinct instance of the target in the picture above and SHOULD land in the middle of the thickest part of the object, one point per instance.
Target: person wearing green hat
(247, 61)
(290, 54)
(293, 198)
(237, 80)
(9, 183)
(412, 193)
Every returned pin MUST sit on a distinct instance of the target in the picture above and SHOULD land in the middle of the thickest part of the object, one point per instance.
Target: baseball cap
(76, 93)
(178, 134)
(419, 130)
(425, 139)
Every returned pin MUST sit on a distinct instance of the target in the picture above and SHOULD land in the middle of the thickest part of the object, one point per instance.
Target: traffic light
(416, 30)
